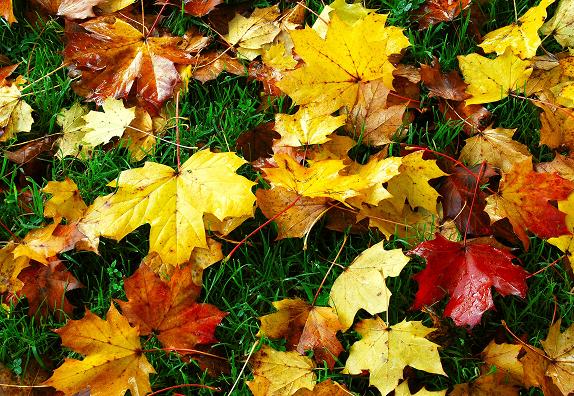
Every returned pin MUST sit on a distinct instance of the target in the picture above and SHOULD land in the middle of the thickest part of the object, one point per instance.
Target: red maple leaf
(467, 273)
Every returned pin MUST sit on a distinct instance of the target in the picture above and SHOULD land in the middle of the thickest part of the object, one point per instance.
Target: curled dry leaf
(467, 272)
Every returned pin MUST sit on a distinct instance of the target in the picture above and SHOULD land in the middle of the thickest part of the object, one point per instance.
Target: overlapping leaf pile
(462, 211)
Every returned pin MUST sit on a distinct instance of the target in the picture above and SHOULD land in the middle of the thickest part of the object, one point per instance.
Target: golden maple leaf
(362, 284)
(280, 373)
(348, 13)
(15, 114)
(306, 127)
(10, 268)
(412, 183)
(323, 178)
(496, 147)
(251, 34)
(521, 37)
(65, 202)
(335, 66)
(559, 347)
(114, 360)
(385, 351)
(561, 25)
(101, 127)
(490, 80)
(173, 203)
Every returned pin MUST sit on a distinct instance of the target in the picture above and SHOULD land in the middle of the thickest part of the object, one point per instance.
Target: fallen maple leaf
(557, 127)
(280, 373)
(113, 56)
(524, 197)
(496, 147)
(323, 178)
(325, 388)
(372, 120)
(403, 390)
(561, 24)
(200, 7)
(521, 36)
(10, 268)
(297, 221)
(45, 287)
(306, 127)
(101, 127)
(434, 11)
(15, 113)
(42, 243)
(140, 135)
(305, 327)
(460, 195)
(173, 203)
(335, 67)
(559, 348)
(346, 12)
(65, 202)
(362, 284)
(467, 272)
(249, 35)
(412, 183)
(209, 65)
(168, 308)
(114, 361)
(490, 80)
(449, 86)
(7, 11)
(385, 351)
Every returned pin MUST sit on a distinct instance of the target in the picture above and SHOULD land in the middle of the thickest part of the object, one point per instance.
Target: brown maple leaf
(45, 287)
(449, 86)
(434, 11)
(168, 308)
(114, 58)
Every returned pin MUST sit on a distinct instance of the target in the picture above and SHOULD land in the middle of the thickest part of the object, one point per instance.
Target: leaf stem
(157, 392)
(333, 263)
(480, 172)
(155, 22)
(177, 149)
(183, 351)
(260, 228)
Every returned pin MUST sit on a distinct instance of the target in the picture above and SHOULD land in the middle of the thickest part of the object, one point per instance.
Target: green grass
(264, 270)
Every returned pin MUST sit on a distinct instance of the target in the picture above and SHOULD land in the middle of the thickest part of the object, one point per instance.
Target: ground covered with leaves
(293, 198)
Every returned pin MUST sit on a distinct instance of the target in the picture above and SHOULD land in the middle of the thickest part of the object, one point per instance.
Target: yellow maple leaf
(15, 114)
(278, 58)
(280, 373)
(43, 243)
(306, 127)
(362, 284)
(566, 242)
(101, 127)
(496, 147)
(558, 348)
(114, 362)
(490, 80)
(10, 268)
(335, 66)
(72, 122)
(348, 13)
(323, 178)
(561, 25)
(412, 183)
(249, 35)
(173, 203)
(65, 202)
(521, 36)
(386, 351)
